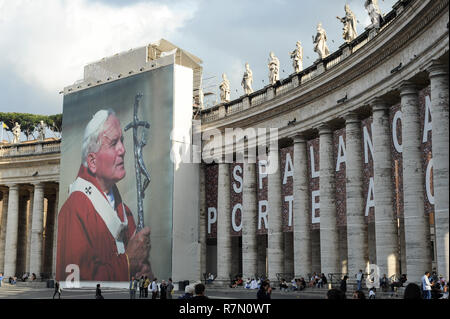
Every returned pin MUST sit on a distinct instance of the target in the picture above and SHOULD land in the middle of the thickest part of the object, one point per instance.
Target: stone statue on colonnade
(349, 22)
(16, 133)
(274, 68)
(374, 13)
(224, 88)
(201, 95)
(247, 80)
(297, 57)
(41, 131)
(320, 42)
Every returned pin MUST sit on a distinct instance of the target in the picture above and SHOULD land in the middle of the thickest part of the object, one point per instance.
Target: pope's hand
(138, 249)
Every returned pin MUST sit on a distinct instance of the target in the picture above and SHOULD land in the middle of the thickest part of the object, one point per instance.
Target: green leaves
(29, 122)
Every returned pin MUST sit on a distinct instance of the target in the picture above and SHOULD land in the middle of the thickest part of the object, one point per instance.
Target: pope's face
(110, 166)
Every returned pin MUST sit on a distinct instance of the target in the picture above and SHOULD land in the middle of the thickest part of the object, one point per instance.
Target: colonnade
(417, 246)
(28, 229)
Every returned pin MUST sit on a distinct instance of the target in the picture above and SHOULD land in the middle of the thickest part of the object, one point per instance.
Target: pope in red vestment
(85, 238)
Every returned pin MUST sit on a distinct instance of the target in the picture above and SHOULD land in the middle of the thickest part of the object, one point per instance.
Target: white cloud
(48, 42)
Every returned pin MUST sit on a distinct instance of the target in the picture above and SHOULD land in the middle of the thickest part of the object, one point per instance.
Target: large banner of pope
(116, 189)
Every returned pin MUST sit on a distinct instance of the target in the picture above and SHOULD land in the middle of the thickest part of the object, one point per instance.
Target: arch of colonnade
(363, 162)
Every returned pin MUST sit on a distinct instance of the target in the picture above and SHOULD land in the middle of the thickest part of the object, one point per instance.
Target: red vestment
(84, 239)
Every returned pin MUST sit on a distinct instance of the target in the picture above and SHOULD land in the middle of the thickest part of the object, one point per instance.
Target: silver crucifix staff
(139, 161)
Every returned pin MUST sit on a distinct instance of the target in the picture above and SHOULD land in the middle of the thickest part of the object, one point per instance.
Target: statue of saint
(374, 13)
(274, 69)
(247, 80)
(225, 89)
(349, 22)
(41, 131)
(201, 98)
(320, 42)
(297, 57)
(16, 133)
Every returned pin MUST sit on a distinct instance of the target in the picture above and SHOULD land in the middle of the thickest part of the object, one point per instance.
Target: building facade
(362, 153)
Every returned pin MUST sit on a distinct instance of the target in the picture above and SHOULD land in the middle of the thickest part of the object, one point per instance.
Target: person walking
(133, 287)
(426, 286)
(57, 290)
(98, 292)
(1, 279)
(170, 288)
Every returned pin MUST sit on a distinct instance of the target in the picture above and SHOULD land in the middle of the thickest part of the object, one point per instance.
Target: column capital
(437, 68)
(324, 128)
(378, 104)
(12, 186)
(38, 185)
(298, 138)
(408, 88)
(351, 117)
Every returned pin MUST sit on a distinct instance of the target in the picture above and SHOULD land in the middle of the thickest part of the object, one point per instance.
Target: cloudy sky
(45, 44)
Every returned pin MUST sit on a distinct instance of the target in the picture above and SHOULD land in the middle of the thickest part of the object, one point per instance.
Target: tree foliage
(29, 122)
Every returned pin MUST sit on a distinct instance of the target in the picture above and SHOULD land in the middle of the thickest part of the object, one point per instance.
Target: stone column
(385, 219)
(249, 219)
(262, 255)
(22, 233)
(3, 227)
(203, 222)
(288, 253)
(301, 210)
(275, 238)
(36, 230)
(357, 244)
(329, 248)
(223, 225)
(29, 222)
(48, 240)
(55, 233)
(417, 227)
(439, 113)
(12, 227)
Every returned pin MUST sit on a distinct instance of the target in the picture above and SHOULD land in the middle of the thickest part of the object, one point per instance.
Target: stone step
(30, 284)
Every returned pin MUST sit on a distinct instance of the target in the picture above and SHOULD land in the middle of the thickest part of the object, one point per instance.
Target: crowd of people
(163, 290)
(432, 287)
